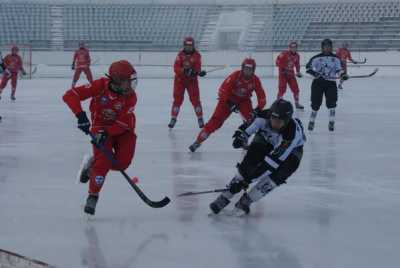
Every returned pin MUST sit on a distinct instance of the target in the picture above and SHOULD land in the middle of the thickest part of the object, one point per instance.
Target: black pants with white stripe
(321, 87)
(254, 164)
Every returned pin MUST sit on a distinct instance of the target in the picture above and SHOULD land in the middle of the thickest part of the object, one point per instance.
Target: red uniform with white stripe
(237, 91)
(13, 65)
(81, 62)
(287, 62)
(183, 82)
(344, 55)
(113, 113)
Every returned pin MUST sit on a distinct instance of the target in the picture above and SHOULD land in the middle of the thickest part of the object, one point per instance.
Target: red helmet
(14, 50)
(122, 70)
(188, 41)
(249, 62)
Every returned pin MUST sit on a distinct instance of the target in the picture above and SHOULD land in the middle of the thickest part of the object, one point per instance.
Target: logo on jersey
(99, 180)
(104, 100)
(118, 106)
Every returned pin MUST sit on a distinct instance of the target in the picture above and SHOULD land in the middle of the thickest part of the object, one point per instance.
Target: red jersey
(109, 111)
(81, 58)
(192, 61)
(236, 89)
(344, 54)
(287, 61)
(13, 63)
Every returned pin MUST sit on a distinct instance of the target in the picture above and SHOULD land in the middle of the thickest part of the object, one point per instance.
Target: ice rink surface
(340, 209)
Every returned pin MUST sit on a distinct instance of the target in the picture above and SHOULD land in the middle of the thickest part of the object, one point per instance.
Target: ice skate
(331, 126)
(194, 146)
(91, 201)
(84, 170)
(299, 106)
(172, 123)
(311, 125)
(201, 122)
(219, 203)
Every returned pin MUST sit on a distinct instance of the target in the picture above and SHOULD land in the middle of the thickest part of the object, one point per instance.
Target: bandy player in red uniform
(81, 63)
(187, 67)
(12, 66)
(234, 95)
(344, 55)
(288, 61)
(112, 105)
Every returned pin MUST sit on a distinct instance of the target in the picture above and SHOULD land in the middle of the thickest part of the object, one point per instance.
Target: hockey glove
(239, 139)
(202, 73)
(83, 122)
(344, 77)
(100, 138)
(72, 66)
(299, 75)
(233, 107)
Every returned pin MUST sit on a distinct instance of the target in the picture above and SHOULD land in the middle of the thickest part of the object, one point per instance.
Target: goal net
(25, 51)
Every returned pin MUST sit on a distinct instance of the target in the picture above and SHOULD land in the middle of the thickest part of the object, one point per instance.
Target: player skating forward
(234, 95)
(326, 68)
(187, 67)
(288, 63)
(112, 105)
(12, 65)
(272, 157)
(344, 55)
(81, 63)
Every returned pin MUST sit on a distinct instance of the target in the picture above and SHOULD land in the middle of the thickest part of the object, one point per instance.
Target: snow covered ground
(340, 209)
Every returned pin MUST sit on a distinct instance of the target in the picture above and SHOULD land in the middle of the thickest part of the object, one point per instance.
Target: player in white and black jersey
(326, 68)
(272, 157)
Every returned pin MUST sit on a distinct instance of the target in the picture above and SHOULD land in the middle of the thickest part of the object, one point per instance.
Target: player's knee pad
(315, 107)
(264, 185)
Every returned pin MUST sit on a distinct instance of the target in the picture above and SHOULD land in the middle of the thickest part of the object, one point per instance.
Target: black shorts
(321, 87)
(254, 165)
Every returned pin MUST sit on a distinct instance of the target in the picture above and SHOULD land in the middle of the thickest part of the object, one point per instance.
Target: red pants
(87, 72)
(4, 81)
(123, 148)
(221, 113)
(179, 93)
(291, 80)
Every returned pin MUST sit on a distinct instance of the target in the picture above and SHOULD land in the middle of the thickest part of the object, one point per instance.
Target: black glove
(202, 73)
(239, 139)
(72, 66)
(100, 138)
(256, 112)
(83, 122)
(344, 77)
(189, 72)
(233, 107)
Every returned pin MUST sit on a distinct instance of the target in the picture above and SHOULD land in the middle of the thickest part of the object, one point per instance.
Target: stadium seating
(364, 25)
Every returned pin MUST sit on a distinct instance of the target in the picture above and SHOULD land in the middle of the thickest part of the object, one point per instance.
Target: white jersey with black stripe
(326, 66)
(283, 142)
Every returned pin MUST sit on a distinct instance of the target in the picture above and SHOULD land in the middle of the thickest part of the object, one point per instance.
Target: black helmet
(326, 42)
(282, 110)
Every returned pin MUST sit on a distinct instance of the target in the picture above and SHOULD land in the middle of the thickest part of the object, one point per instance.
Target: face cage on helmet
(116, 84)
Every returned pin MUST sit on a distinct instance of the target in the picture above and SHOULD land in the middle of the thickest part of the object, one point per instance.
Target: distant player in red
(112, 105)
(81, 63)
(344, 55)
(288, 63)
(12, 66)
(234, 96)
(187, 67)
